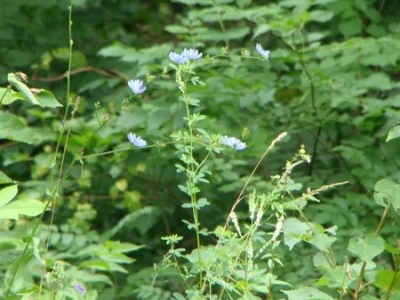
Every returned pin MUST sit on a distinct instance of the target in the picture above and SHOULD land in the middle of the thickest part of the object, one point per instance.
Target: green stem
(362, 272)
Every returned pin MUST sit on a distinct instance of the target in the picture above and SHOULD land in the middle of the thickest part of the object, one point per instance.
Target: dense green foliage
(308, 210)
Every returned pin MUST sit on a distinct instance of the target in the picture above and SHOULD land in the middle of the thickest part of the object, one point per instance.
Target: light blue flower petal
(262, 52)
(192, 54)
(137, 86)
(136, 140)
(233, 143)
(178, 58)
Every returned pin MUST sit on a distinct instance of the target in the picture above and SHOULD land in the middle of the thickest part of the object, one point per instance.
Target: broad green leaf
(393, 133)
(295, 231)
(319, 261)
(206, 256)
(178, 296)
(322, 241)
(176, 29)
(216, 35)
(4, 179)
(389, 248)
(366, 249)
(116, 50)
(116, 258)
(261, 29)
(351, 26)
(387, 192)
(243, 3)
(337, 277)
(121, 247)
(103, 266)
(47, 99)
(384, 280)
(13, 128)
(8, 96)
(377, 81)
(307, 293)
(88, 276)
(29, 208)
(369, 297)
(20, 86)
(91, 295)
(7, 194)
(323, 2)
(376, 30)
(192, 2)
(95, 265)
(321, 15)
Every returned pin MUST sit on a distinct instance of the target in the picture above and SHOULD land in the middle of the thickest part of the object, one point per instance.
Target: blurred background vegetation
(331, 83)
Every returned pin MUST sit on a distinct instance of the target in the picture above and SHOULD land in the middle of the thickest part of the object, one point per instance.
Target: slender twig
(240, 198)
(110, 73)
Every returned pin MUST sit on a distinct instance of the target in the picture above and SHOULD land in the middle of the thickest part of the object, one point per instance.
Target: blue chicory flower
(136, 86)
(178, 58)
(136, 140)
(192, 54)
(80, 288)
(233, 143)
(187, 54)
(262, 52)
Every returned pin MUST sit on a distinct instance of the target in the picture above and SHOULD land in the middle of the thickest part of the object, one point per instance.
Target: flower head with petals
(233, 143)
(192, 54)
(136, 140)
(262, 52)
(136, 86)
(178, 58)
